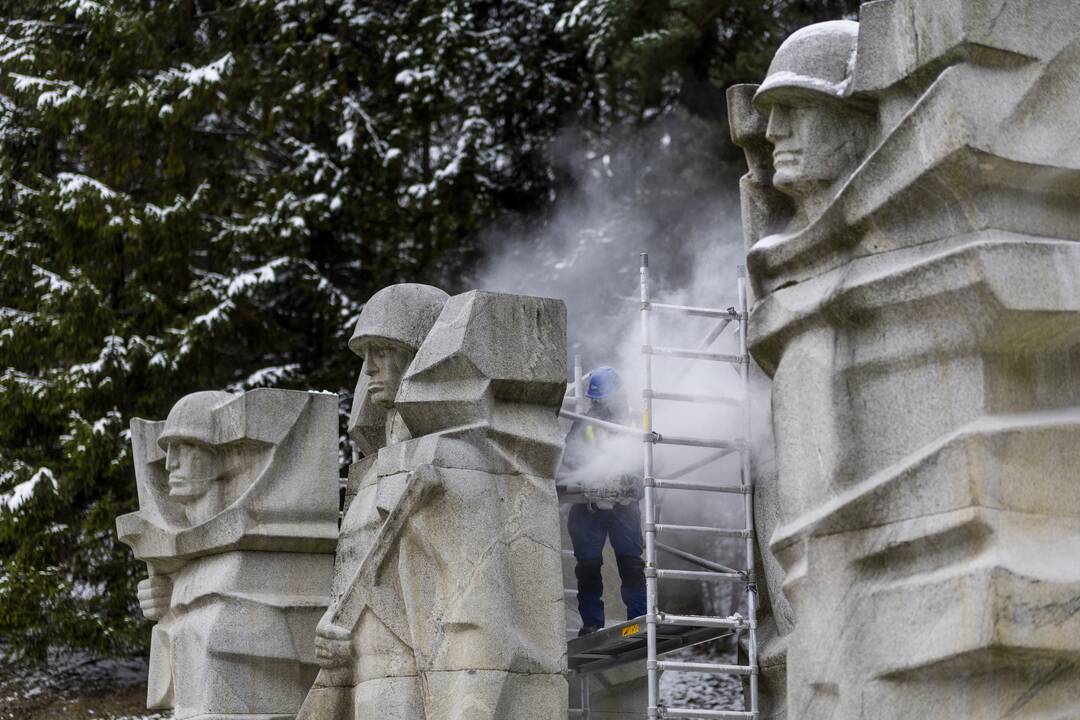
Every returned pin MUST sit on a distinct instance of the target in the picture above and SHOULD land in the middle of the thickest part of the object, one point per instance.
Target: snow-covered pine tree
(198, 194)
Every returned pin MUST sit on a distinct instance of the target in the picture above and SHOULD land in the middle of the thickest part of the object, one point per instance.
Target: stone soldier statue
(804, 136)
(454, 611)
(236, 523)
(919, 316)
(369, 670)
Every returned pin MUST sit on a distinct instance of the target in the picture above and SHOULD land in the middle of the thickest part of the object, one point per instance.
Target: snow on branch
(36, 386)
(179, 204)
(15, 49)
(13, 319)
(49, 279)
(70, 185)
(114, 350)
(229, 288)
(22, 492)
(263, 274)
(226, 290)
(347, 139)
(411, 76)
(16, 315)
(212, 316)
(86, 7)
(194, 77)
(583, 12)
(54, 93)
(265, 377)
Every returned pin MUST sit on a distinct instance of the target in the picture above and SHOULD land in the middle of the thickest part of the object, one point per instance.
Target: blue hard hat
(602, 382)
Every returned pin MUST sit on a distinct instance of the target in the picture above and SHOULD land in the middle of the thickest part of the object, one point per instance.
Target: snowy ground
(74, 688)
(701, 690)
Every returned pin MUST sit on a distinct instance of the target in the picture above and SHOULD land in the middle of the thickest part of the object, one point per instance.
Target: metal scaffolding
(666, 632)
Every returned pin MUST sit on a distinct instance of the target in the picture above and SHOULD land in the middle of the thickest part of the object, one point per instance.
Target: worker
(615, 517)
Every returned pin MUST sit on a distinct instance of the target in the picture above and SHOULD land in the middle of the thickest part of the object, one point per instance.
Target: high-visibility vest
(590, 430)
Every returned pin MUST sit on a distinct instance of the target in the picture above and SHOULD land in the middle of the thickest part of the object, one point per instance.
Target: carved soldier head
(819, 134)
(191, 458)
(391, 327)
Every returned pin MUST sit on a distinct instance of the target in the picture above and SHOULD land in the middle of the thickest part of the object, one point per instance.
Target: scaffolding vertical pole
(586, 699)
(748, 497)
(650, 499)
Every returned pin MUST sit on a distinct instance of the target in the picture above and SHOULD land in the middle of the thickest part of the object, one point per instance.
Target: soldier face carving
(192, 469)
(816, 145)
(385, 364)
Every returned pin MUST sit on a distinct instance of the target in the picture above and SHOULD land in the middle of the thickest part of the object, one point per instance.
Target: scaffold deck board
(625, 643)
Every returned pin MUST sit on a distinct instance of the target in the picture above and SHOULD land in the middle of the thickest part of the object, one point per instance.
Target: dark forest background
(201, 194)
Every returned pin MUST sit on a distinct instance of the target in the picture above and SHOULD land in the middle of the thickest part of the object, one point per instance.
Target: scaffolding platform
(652, 636)
(628, 642)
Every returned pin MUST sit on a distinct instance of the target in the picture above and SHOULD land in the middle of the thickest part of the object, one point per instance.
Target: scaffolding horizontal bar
(703, 487)
(695, 575)
(569, 593)
(692, 354)
(722, 532)
(684, 397)
(695, 713)
(655, 437)
(735, 622)
(711, 668)
(729, 313)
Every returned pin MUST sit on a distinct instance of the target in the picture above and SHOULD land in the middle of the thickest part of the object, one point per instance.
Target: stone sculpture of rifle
(364, 590)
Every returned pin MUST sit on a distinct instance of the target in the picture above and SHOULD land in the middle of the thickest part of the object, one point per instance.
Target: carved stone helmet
(818, 60)
(192, 419)
(403, 314)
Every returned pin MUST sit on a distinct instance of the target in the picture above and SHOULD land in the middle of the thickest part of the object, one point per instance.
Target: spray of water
(658, 192)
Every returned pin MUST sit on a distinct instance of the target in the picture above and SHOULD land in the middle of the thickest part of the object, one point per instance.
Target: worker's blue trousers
(589, 527)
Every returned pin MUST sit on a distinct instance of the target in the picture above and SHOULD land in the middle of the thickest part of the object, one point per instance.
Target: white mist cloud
(662, 190)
